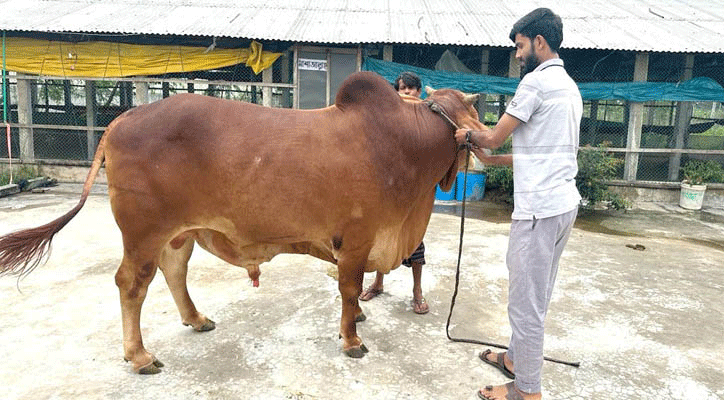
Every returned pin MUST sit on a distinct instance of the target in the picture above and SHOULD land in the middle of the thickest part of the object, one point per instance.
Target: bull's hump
(366, 89)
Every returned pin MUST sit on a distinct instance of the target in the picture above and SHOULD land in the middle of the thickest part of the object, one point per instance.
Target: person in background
(407, 83)
(544, 117)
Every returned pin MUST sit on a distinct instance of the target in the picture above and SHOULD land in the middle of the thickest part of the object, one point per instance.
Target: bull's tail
(22, 251)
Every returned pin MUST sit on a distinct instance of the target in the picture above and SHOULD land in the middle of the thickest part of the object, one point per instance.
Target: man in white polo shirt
(544, 118)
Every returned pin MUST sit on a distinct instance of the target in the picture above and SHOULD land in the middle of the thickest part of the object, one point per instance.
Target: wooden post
(295, 76)
(67, 97)
(25, 117)
(359, 59)
(513, 72)
(593, 123)
(123, 95)
(90, 117)
(141, 93)
(635, 120)
(387, 52)
(513, 66)
(266, 91)
(485, 62)
(328, 78)
(484, 65)
(684, 109)
(286, 92)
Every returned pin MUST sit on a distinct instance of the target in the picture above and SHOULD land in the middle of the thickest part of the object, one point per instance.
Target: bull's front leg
(351, 276)
(174, 265)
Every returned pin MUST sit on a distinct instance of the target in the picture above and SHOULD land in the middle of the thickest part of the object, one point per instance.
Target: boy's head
(408, 83)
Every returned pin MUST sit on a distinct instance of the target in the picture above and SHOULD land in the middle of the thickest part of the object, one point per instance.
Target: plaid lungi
(418, 256)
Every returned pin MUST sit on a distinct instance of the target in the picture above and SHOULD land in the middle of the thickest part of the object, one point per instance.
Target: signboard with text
(312, 64)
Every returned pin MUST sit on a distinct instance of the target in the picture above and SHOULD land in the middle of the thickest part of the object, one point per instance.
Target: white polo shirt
(545, 145)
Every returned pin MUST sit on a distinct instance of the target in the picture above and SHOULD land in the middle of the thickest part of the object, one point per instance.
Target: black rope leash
(468, 146)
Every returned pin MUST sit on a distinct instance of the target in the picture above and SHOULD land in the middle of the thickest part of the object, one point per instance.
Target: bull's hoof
(209, 325)
(356, 352)
(361, 317)
(154, 367)
(151, 369)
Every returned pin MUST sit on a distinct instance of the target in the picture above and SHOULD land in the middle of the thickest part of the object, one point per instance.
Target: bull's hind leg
(174, 265)
(132, 279)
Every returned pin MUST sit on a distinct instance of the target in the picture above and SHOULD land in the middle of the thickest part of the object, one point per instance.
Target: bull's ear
(429, 90)
(470, 99)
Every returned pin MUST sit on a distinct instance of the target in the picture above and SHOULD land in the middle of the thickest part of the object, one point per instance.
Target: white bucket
(692, 196)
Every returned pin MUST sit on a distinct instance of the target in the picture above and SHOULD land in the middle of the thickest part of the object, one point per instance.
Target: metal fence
(69, 116)
(660, 150)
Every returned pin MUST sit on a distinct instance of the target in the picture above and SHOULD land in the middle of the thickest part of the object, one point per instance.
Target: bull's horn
(470, 99)
(429, 90)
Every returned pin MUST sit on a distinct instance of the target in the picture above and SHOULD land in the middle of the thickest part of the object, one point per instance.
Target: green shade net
(697, 89)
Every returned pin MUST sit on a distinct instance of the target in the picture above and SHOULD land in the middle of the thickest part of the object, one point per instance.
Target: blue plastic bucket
(440, 195)
(475, 189)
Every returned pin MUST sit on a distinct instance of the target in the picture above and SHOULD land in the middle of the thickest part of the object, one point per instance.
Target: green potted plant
(696, 173)
(596, 167)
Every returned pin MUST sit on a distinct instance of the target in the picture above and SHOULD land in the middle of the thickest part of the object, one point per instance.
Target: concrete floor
(644, 324)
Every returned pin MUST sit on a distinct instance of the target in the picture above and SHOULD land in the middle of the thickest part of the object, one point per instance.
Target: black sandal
(513, 393)
(498, 364)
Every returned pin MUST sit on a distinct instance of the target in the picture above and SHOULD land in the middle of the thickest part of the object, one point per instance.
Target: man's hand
(468, 136)
(489, 138)
(463, 135)
(485, 156)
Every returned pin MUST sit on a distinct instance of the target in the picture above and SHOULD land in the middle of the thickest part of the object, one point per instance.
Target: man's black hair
(541, 21)
(410, 79)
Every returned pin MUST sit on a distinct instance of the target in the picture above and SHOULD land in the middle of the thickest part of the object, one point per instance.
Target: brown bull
(353, 184)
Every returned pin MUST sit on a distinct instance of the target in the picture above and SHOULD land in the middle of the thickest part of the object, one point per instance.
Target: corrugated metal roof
(641, 25)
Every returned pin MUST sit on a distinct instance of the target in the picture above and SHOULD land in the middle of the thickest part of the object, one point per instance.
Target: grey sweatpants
(534, 250)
